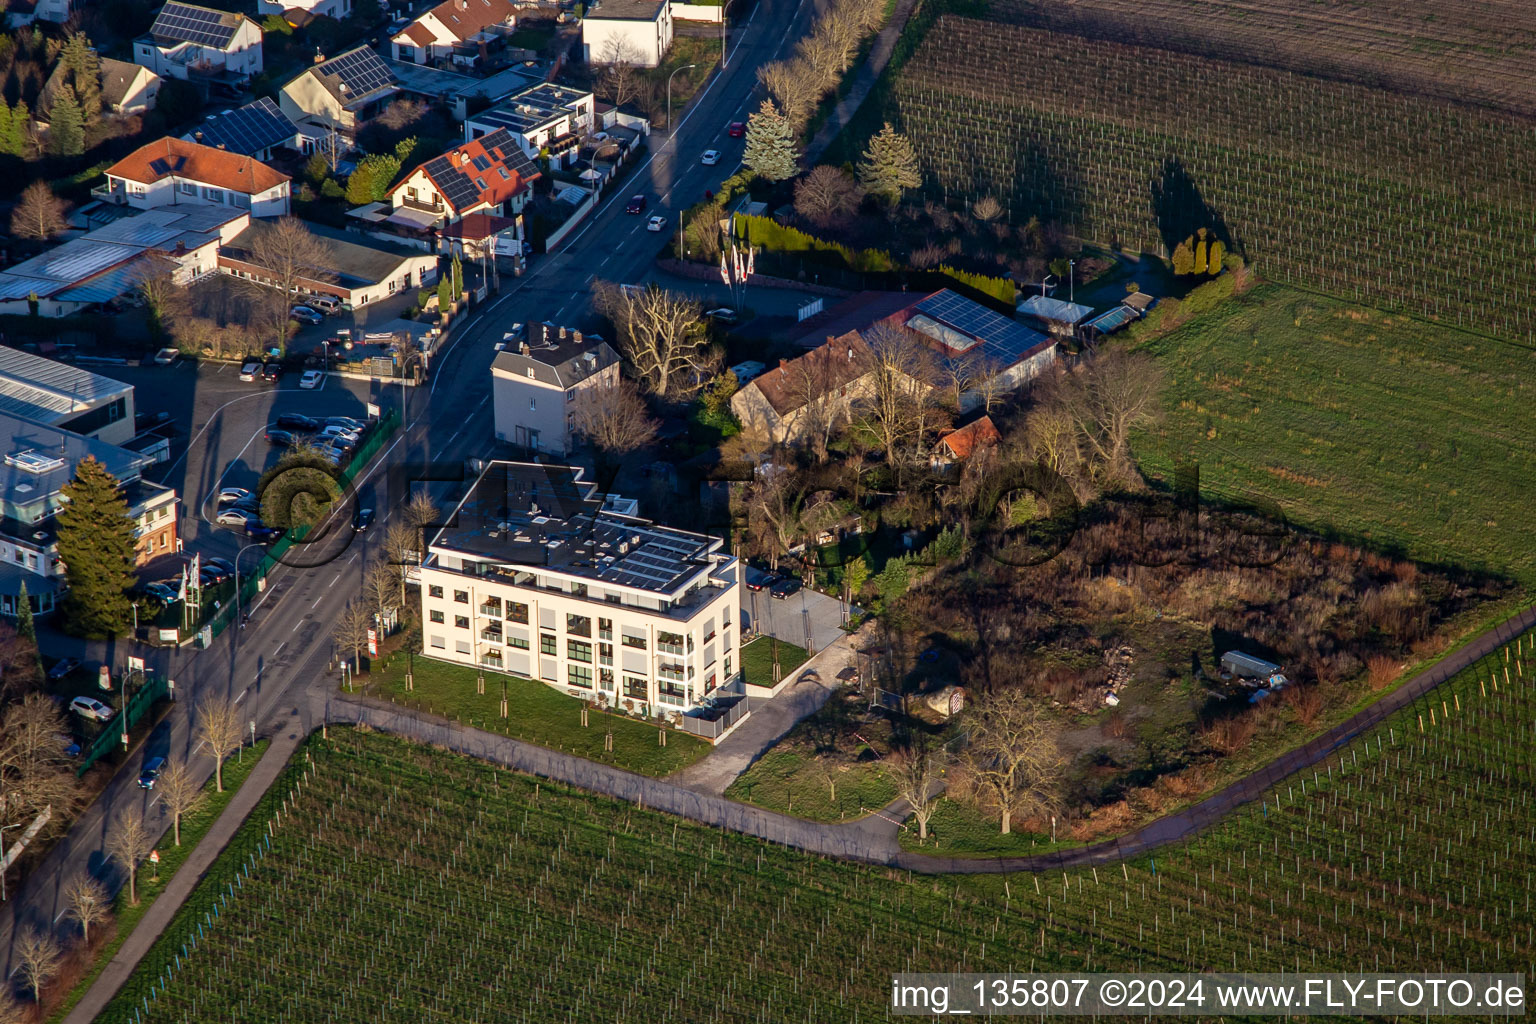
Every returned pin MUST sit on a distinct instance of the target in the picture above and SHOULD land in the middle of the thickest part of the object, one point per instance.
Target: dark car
(281, 439)
(736, 129)
(62, 668)
(152, 769)
(764, 581)
(263, 534)
(271, 372)
(224, 565)
(297, 422)
(209, 576)
(344, 421)
(363, 519)
(636, 204)
(784, 588)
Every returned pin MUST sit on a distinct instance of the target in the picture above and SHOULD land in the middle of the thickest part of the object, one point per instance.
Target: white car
(233, 496)
(710, 157)
(90, 707)
(238, 517)
(342, 433)
(656, 224)
(311, 379)
(250, 371)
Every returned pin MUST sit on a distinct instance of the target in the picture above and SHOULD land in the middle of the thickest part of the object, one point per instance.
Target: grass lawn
(795, 782)
(194, 825)
(1386, 429)
(960, 830)
(537, 714)
(757, 660)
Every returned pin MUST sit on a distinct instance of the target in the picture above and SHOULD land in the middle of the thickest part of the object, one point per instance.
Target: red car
(736, 129)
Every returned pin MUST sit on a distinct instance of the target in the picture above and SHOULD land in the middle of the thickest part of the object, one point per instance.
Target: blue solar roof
(248, 130)
(962, 325)
(1113, 320)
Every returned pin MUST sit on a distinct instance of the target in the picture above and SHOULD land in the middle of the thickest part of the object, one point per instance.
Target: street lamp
(1072, 281)
(672, 128)
(724, 10)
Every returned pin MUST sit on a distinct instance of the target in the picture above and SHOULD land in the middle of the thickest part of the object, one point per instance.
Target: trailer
(1245, 666)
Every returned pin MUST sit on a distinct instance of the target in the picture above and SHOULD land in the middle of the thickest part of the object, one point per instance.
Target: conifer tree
(25, 627)
(1183, 259)
(19, 142)
(1217, 258)
(84, 68)
(770, 150)
(95, 543)
(66, 125)
(889, 167)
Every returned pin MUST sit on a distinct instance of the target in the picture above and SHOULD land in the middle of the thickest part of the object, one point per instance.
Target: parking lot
(804, 613)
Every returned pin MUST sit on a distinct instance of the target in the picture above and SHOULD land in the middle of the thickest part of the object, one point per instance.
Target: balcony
(491, 609)
(436, 209)
(111, 193)
(491, 635)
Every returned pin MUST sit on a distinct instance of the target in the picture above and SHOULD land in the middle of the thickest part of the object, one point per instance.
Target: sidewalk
(191, 873)
(863, 81)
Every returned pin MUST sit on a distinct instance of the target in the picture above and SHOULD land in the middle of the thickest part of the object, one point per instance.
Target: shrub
(1381, 670)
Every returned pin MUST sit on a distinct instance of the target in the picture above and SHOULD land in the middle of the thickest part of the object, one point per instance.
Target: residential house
(490, 174)
(535, 383)
(988, 353)
(539, 577)
(627, 31)
(436, 34)
(344, 93)
(187, 42)
(361, 269)
(461, 92)
(959, 444)
(24, 12)
(112, 260)
(816, 390)
(299, 12)
(128, 88)
(255, 130)
(174, 172)
(545, 118)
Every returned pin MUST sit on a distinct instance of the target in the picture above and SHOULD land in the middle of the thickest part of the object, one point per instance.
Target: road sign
(154, 856)
(135, 664)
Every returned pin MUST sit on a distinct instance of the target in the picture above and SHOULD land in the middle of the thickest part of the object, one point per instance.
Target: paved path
(863, 81)
(191, 872)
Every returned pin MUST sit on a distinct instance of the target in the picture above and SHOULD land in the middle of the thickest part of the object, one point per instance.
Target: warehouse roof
(47, 390)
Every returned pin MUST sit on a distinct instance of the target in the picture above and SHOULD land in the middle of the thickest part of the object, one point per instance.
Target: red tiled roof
(980, 434)
(842, 360)
(418, 33)
(170, 157)
(464, 18)
(477, 226)
(466, 185)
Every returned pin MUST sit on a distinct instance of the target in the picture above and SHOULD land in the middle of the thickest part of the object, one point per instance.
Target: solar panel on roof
(160, 167)
(185, 23)
(361, 70)
(250, 129)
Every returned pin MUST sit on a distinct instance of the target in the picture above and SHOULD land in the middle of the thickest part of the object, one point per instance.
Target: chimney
(850, 353)
(562, 334)
(576, 337)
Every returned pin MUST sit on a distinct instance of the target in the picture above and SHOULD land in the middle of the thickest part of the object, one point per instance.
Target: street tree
(660, 334)
(179, 791)
(770, 150)
(218, 728)
(129, 842)
(889, 167)
(1012, 756)
(916, 770)
(381, 587)
(795, 87)
(39, 214)
(291, 256)
(827, 196)
(34, 772)
(87, 903)
(351, 630)
(401, 547)
(37, 959)
(96, 545)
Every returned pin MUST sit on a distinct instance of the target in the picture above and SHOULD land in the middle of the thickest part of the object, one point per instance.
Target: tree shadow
(1045, 185)
(1181, 210)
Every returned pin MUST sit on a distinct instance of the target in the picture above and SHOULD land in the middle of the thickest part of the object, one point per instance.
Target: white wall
(243, 57)
(175, 191)
(333, 8)
(649, 40)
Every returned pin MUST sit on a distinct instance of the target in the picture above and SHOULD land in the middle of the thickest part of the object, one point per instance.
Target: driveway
(803, 616)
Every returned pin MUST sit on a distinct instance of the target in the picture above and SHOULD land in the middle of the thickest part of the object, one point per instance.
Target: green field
(790, 779)
(535, 713)
(404, 883)
(1389, 430)
(757, 661)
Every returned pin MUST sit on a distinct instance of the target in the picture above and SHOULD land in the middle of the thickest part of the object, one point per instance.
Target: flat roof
(532, 108)
(626, 10)
(529, 516)
(427, 81)
(45, 390)
(357, 260)
(39, 459)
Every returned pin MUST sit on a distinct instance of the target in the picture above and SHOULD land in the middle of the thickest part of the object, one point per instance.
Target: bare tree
(18, 663)
(620, 80)
(218, 728)
(775, 502)
(164, 297)
(381, 586)
(351, 630)
(37, 959)
(827, 196)
(87, 903)
(39, 214)
(129, 843)
(420, 511)
(1107, 396)
(613, 418)
(11, 1011)
(897, 400)
(794, 86)
(402, 545)
(34, 773)
(812, 381)
(916, 771)
(987, 208)
(180, 791)
(660, 334)
(1012, 755)
(825, 53)
(290, 255)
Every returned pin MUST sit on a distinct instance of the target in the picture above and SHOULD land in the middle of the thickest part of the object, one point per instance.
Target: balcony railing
(494, 636)
(492, 609)
(417, 204)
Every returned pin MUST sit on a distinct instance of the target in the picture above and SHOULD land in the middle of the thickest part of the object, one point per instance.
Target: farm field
(1374, 425)
(390, 882)
(1485, 54)
(1399, 202)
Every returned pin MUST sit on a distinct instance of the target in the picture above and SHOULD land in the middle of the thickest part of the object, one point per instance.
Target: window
(434, 591)
(579, 675)
(605, 654)
(435, 616)
(580, 625)
(727, 666)
(578, 650)
(213, 195)
(462, 646)
(521, 644)
(461, 597)
(635, 688)
(709, 636)
(548, 644)
(408, 53)
(613, 597)
(580, 590)
(669, 643)
(439, 643)
(533, 403)
(461, 622)
(504, 175)
(517, 612)
(605, 679)
(605, 629)
(240, 200)
(186, 188)
(637, 642)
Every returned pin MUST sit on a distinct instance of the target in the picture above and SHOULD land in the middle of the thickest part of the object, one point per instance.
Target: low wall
(703, 272)
(695, 12)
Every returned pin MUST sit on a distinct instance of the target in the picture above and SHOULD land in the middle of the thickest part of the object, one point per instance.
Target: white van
(327, 304)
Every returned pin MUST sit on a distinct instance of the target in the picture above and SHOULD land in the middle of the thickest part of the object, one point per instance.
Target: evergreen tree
(1200, 256)
(770, 150)
(889, 166)
(25, 627)
(66, 125)
(84, 74)
(1217, 258)
(95, 542)
(458, 277)
(6, 128)
(1183, 259)
(19, 141)
(360, 184)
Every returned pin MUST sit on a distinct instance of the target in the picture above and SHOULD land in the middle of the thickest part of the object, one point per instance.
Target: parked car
(152, 769)
(271, 372)
(363, 519)
(636, 204)
(62, 668)
(222, 564)
(327, 304)
(305, 314)
(657, 223)
(233, 496)
(263, 534)
(90, 707)
(344, 421)
(764, 581)
(238, 517)
(784, 588)
(281, 439)
(210, 575)
(724, 314)
(297, 422)
(736, 129)
(166, 356)
(250, 371)
(337, 430)
(162, 590)
(311, 379)
(710, 157)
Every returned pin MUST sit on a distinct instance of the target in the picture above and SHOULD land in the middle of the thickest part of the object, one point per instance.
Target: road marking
(153, 802)
(242, 695)
(591, 276)
(318, 600)
(296, 626)
(279, 647)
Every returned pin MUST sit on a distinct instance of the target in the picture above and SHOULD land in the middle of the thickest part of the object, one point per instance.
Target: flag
(724, 276)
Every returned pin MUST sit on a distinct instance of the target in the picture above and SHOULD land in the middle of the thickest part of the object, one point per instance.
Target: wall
(550, 418)
(304, 98)
(650, 39)
(695, 12)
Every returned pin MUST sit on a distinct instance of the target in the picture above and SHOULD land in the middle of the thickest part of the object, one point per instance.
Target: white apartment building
(537, 576)
(536, 381)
